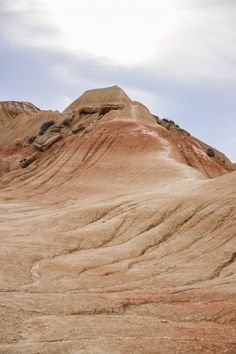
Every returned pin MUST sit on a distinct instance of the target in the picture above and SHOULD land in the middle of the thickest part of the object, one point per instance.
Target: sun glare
(125, 31)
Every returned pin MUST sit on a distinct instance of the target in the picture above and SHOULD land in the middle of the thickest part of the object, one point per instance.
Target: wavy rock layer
(115, 240)
(12, 109)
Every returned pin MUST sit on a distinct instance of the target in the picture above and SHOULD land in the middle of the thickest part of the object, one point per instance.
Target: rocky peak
(96, 99)
(12, 109)
(103, 110)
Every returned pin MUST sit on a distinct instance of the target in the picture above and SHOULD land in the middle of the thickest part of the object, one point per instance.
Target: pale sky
(178, 57)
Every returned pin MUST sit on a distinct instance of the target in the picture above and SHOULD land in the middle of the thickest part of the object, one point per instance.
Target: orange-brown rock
(120, 239)
(12, 109)
(96, 98)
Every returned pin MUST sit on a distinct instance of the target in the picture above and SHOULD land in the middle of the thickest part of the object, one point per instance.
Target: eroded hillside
(117, 233)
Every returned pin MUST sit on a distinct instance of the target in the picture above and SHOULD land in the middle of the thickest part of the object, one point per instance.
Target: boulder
(78, 128)
(105, 108)
(89, 110)
(44, 142)
(26, 161)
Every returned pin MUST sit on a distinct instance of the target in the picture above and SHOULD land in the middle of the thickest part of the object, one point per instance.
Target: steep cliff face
(117, 234)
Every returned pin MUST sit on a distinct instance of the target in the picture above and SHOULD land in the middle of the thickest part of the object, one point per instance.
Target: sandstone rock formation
(118, 238)
(97, 98)
(12, 109)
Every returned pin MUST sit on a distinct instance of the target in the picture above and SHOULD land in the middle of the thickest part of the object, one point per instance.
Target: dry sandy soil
(119, 238)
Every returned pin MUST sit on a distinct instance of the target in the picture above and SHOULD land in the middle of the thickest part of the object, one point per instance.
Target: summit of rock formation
(117, 233)
(96, 98)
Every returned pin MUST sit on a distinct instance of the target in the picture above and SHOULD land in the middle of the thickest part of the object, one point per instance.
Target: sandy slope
(112, 243)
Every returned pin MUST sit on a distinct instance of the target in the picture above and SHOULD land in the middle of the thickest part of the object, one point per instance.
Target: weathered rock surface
(44, 142)
(26, 161)
(119, 238)
(11, 109)
(96, 98)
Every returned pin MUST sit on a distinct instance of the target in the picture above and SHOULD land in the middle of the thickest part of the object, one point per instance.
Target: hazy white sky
(176, 56)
